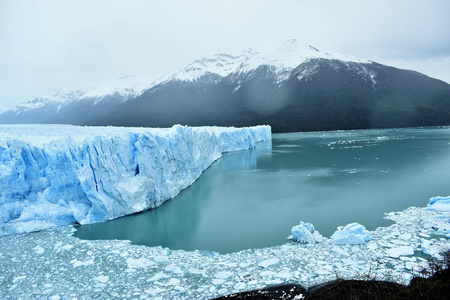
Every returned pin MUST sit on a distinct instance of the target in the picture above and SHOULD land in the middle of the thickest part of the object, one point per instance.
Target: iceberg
(439, 203)
(53, 175)
(352, 233)
(305, 233)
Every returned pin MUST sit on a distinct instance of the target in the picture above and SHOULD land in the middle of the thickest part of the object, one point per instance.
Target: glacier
(54, 175)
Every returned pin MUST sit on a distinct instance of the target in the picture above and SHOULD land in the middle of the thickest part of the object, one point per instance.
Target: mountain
(77, 106)
(295, 87)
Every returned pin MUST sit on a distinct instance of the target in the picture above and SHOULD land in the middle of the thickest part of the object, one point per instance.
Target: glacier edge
(53, 175)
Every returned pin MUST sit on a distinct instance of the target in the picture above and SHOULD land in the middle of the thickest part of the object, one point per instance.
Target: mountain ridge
(296, 87)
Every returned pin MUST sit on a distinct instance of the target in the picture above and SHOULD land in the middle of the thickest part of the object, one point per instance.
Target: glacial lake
(251, 199)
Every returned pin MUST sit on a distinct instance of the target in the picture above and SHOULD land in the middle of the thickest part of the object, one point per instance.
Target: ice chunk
(223, 275)
(431, 248)
(269, 262)
(77, 263)
(39, 249)
(439, 203)
(158, 276)
(305, 233)
(352, 233)
(400, 251)
(139, 263)
(102, 278)
(339, 252)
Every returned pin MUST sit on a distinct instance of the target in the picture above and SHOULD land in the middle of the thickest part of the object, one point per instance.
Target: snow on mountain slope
(288, 56)
(126, 87)
(52, 175)
(219, 64)
(280, 62)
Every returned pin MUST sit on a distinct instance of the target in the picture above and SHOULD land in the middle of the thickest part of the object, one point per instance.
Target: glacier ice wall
(52, 175)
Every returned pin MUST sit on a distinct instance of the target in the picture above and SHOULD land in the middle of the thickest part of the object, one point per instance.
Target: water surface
(251, 199)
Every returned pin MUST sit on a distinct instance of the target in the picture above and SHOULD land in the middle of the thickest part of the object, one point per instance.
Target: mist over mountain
(296, 87)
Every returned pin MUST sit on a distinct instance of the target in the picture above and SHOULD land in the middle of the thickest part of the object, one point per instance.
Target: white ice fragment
(244, 264)
(283, 275)
(405, 236)
(269, 262)
(267, 273)
(158, 276)
(174, 269)
(305, 233)
(193, 270)
(38, 249)
(153, 291)
(174, 281)
(273, 281)
(240, 286)
(161, 259)
(77, 263)
(139, 263)
(352, 233)
(224, 275)
(180, 289)
(18, 278)
(400, 251)
(102, 278)
(431, 248)
(339, 252)
(217, 281)
(439, 203)
(372, 245)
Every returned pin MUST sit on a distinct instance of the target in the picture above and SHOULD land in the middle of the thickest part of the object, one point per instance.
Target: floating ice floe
(400, 251)
(352, 233)
(305, 233)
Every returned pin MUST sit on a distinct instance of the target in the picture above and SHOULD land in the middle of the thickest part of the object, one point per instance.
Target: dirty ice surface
(54, 264)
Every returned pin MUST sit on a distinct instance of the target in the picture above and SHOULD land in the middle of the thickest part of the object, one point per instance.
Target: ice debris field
(54, 264)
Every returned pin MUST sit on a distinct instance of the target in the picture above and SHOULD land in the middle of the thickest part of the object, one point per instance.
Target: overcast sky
(48, 45)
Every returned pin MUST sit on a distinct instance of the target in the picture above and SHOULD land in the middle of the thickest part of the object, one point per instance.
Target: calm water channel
(251, 199)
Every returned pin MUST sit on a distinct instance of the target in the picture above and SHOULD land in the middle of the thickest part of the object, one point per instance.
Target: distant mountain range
(293, 88)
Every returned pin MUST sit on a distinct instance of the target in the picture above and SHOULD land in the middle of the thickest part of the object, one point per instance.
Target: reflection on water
(251, 199)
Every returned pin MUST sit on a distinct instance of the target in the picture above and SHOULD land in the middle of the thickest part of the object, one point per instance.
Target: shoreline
(54, 263)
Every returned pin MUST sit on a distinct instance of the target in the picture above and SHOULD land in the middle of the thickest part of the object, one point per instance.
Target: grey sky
(48, 45)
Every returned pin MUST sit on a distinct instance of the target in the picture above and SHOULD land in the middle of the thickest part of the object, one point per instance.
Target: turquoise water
(251, 199)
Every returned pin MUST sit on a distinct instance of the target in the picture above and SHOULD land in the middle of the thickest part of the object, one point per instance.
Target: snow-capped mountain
(126, 87)
(295, 87)
(285, 58)
(76, 106)
(219, 65)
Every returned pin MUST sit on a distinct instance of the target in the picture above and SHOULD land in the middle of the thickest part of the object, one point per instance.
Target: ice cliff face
(52, 175)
